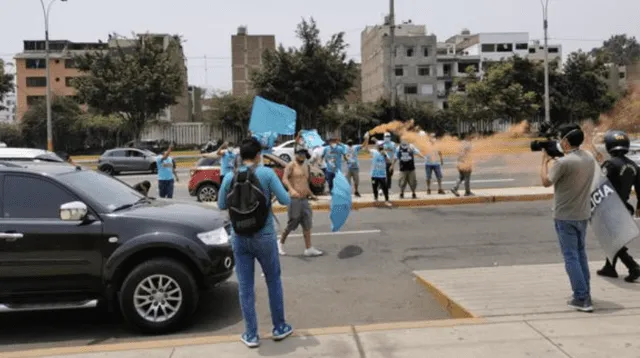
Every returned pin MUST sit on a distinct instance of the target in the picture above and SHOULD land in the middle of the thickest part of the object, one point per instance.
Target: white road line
(357, 232)
(480, 181)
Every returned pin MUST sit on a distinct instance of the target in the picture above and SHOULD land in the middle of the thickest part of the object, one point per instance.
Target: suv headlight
(214, 237)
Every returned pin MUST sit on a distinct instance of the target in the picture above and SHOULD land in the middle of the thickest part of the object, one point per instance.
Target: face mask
(559, 146)
(387, 139)
(333, 145)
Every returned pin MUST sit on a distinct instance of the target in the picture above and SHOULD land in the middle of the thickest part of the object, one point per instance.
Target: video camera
(550, 145)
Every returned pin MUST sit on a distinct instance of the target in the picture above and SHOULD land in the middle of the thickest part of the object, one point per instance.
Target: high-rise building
(31, 69)
(246, 57)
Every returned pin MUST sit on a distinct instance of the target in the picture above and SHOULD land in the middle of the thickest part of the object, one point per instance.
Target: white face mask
(387, 139)
(560, 148)
(333, 145)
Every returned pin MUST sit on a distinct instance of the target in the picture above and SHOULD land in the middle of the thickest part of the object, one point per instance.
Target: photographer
(571, 177)
(623, 174)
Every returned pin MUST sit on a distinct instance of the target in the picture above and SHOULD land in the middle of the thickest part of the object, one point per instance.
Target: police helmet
(616, 142)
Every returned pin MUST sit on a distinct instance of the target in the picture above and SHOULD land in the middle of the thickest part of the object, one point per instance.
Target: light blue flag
(311, 138)
(340, 202)
(267, 140)
(267, 116)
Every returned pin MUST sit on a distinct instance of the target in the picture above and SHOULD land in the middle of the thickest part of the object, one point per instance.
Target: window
(134, 154)
(424, 70)
(488, 48)
(409, 52)
(522, 46)
(289, 144)
(112, 193)
(553, 50)
(68, 81)
(532, 50)
(425, 51)
(117, 153)
(21, 192)
(410, 89)
(33, 100)
(621, 75)
(36, 63)
(462, 67)
(426, 89)
(445, 105)
(505, 48)
(69, 63)
(36, 82)
(446, 70)
(399, 71)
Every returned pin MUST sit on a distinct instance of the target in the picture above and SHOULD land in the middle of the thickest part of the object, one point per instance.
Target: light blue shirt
(269, 183)
(352, 156)
(165, 168)
(333, 157)
(227, 163)
(378, 164)
(389, 149)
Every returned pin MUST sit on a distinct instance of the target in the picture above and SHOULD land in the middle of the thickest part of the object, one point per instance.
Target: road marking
(357, 232)
(481, 181)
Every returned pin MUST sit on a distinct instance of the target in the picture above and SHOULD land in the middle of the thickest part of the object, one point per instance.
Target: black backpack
(248, 206)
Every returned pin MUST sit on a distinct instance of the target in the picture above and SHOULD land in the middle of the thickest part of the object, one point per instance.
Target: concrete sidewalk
(481, 196)
(515, 311)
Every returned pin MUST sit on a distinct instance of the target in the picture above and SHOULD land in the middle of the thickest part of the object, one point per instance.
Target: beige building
(246, 56)
(31, 70)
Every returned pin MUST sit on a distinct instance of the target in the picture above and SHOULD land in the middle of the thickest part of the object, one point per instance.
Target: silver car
(119, 160)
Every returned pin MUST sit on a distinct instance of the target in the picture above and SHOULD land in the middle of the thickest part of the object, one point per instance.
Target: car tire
(107, 169)
(181, 295)
(285, 157)
(207, 193)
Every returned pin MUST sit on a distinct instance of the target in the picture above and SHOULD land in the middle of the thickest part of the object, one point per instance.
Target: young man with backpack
(247, 196)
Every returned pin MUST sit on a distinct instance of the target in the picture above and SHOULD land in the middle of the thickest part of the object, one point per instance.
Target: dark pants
(466, 177)
(389, 175)
(381, 183)
(329, 176)
(165, 188)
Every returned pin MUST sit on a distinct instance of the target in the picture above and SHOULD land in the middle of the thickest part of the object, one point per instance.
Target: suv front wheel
(158, 296)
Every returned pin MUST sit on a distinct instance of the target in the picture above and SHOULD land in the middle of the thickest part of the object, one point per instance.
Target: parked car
(211, 146)
(96, 241)
(29, 155)
(285, 151)
(153, 145)
(114, 161)
(3, 145)
(204, 183)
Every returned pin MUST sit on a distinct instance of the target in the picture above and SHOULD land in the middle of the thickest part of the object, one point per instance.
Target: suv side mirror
(73, 211)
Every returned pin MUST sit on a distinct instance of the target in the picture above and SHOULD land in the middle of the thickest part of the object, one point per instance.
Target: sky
(207, 25)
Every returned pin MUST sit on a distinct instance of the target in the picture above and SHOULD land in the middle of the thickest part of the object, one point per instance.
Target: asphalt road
(497, 171)
(365, 276)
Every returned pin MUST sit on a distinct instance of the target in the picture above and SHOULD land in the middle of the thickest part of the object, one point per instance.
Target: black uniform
(623, 174)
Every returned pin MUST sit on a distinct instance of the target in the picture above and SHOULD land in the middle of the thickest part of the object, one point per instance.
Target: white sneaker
(281, 249)
(312, 251)
(388, 204)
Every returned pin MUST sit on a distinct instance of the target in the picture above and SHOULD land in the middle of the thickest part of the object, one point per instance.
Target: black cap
(301, 151)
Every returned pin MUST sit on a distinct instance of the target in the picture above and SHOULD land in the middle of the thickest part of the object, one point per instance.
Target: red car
(205, 177)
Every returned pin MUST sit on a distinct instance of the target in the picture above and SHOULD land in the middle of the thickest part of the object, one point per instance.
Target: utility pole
(545, 24)
(392, 57)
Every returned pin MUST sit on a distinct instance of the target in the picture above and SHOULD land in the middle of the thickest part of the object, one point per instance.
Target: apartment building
(621, 78)
(8, 108)
(414, 71)
(246, 57)
(31, 69)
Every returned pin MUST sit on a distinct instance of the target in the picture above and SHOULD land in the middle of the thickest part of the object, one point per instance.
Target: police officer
(623, 174)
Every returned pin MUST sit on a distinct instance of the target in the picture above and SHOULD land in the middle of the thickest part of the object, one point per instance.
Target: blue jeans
(246, 250)
(572, 235)
(165, 188)
(329, 176)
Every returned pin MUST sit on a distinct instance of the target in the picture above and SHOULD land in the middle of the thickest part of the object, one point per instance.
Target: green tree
(137, 82)
(100, 131)
(65, 114)
(6, 83)
(619, 49)
(230, 111)
(582, 92)
(308, 78)
(11, 134)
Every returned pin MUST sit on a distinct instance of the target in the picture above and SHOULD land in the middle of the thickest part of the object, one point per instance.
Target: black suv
(76, 238)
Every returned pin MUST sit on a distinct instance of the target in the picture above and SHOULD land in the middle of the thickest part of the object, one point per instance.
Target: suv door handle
(10, 236)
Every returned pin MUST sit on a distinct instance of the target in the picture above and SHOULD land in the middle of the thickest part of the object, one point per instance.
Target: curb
(204, 340)
(325, 206)
(455, 310)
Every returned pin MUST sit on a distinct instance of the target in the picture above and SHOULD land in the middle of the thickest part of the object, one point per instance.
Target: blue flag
(267, 116)
(267, 140)
(311, 138)
(340, 202)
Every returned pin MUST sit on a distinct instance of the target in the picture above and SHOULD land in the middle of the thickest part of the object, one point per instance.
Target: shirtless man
(296, 179)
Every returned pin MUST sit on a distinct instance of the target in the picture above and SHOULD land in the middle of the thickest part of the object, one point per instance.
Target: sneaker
(469, 194)
(357, 195)
(428, 191)
(608, 271)
(455, 192)
(441, 192)
(282, 332)
(581, 305)
(414, 196)
(634, 274)
(251, 342)
(401, 195)
(312, 252)
(281, 249)
(388, 204)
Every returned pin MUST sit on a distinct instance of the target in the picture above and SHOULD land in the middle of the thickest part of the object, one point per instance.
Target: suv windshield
(106, 191)
(208, 162)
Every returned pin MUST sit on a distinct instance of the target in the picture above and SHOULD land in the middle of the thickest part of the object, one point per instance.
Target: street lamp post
(45, 11)
(545, 24)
